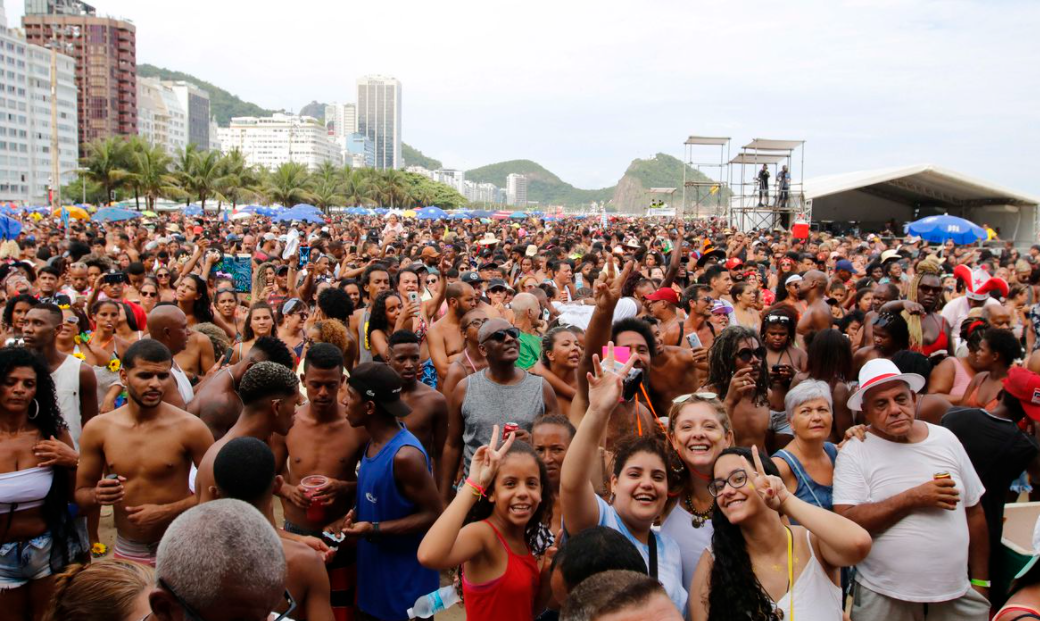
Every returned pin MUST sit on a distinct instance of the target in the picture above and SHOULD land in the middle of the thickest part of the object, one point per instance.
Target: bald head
(813, 284)
(168, 325)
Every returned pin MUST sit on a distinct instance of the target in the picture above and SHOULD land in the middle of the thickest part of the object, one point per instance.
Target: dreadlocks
(722, 362)
(928, 267)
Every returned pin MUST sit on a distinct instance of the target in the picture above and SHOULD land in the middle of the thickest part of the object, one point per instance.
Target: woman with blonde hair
(929, 332)
(112, 590)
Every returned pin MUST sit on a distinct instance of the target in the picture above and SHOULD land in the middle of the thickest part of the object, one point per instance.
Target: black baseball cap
(497, 283)
(471, 278)
(379, 383)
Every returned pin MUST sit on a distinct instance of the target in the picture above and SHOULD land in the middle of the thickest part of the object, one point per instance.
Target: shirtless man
(321, 442)
(698, 303)
(269, 392)
(472, 358)
(739, 377)
(244, 469)
(374, 280)
(216, 401)
(883, 294)
(662, 306)
(149, 446)
(168, 325)
(428, 420)
(445, 335)
(817, 315)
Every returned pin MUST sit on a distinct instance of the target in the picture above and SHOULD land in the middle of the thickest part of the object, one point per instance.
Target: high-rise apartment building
(25, 118)
(273, 141)
(195, 103)
(105, 51)
(516, 190)
(341, 118)
(161, 118)
(379, 117)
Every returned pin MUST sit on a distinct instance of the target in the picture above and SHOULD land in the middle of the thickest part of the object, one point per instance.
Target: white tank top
(183, 384)
(66, 385)
(816, 597)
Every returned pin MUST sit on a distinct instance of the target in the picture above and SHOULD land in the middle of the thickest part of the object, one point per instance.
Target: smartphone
(413, 297)
(110, 279)
(694, 340)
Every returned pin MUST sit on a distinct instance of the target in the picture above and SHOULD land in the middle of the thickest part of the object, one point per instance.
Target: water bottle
(432, 603)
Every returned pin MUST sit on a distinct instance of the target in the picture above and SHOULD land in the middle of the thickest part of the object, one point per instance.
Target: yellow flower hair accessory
(78, 355)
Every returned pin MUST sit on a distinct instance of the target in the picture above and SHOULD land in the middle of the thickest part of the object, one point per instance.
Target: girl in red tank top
(491, 528)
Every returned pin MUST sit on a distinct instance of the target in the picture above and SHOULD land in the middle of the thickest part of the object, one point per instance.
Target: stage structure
(775, 198)
(661, 202)
(705, 197)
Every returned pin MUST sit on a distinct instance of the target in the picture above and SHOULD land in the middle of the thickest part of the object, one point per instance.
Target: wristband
(478, 491)
(980, 583)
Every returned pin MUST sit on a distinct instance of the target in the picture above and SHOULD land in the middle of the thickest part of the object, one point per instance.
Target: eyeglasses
(736, 479)
(476, 322)
(192, 615)
(696, 396)
(778, 319)
(745, 355)
(500, 336)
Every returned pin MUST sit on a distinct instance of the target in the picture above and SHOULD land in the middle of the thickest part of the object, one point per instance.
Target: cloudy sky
(583, 87)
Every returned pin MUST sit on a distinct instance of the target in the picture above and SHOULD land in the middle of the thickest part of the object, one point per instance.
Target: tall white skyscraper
(342, 118)
(516, 190)
(161, 119)
(379, 117)
(275, 140)
(25, 118)
(195, 103)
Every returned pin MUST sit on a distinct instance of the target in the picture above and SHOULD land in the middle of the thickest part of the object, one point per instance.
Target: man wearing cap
(397, 498)
(501, 393)
(843, 271)
(662, 304)
(977, 285)
(430, 256)
(913, 487)
(496, 292)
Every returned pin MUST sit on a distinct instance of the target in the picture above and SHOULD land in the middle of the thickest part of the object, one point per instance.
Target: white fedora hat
(881, 371)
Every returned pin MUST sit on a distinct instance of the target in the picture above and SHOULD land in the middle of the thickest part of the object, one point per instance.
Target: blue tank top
(809, 490)
(389, 577)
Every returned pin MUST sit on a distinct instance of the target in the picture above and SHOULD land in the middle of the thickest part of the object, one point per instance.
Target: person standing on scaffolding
(783, 183)
(763, 186)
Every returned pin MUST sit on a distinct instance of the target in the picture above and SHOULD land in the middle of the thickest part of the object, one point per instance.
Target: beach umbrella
(193, 210)
(408, 213)
(76, 213)
(431, 213)
(306, 207)
(501, 215)
(304, 216)
(481, 213)
(938, 229)
(518, 215)
(242, 215)
(9, 228)
(114, 214)
(149, 214)
(39, 210)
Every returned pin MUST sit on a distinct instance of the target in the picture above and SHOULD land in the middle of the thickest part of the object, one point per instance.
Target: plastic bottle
(432, 603)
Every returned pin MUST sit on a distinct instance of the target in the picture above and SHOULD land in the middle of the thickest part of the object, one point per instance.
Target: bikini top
(24, 489)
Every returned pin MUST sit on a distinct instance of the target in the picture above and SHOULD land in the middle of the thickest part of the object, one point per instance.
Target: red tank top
(939, 344)
(510, 597)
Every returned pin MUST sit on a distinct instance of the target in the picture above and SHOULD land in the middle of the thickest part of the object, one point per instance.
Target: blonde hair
(928, 267)
(713, 402)
(102, 591)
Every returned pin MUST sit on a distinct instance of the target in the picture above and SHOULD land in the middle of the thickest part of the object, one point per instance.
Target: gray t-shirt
(488, 404)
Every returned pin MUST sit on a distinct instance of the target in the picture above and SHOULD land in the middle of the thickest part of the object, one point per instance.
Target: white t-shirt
(924, 556)
(669, 560)
(692, 541)
(957, 311)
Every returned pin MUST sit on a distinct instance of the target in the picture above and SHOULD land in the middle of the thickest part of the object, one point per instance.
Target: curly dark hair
(200, 309)
(377, 320)
(896, 327)
(722, 362)
(626, 448)
(734, 589)
(542, 515)
(634, 324)
(22, 298)
(830, 357)
(48, 420)
(1003, 343)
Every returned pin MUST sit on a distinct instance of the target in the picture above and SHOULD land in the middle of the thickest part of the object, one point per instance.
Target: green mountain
(222, 104)
(415, 157)
(315, 109)
(543, 187)
(662, 171)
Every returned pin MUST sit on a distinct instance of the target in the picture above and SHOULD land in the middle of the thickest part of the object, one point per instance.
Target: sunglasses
(192, 615)
(500, 336)
(145, 294)
(778, 319)
(167, 275)
(696, 396)
(736, 479)
(745, 355)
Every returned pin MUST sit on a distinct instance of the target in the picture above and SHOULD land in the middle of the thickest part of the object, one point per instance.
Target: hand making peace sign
(770, 488)
(484, 465)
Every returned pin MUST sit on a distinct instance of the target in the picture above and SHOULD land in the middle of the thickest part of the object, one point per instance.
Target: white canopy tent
(873, 197)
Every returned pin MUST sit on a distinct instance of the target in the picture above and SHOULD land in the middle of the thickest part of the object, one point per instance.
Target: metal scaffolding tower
(764, 198)
(707, 196)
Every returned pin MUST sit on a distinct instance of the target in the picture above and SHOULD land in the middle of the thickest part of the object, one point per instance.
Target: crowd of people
(573, 419)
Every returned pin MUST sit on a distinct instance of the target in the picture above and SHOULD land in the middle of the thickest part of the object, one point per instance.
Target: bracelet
(478, 491)
(985, 584)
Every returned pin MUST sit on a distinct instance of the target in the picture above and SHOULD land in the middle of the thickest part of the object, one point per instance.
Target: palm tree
(393, 187)
(151, 176)
(183, 169)
(287, 185)
(205, 176)
(357, 187)
(103, 165)
(238, 180)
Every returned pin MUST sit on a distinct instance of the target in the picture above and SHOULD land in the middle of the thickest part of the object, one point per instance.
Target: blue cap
(844, 264)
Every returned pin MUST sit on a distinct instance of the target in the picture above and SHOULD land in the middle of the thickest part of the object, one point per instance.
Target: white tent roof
(919, 183)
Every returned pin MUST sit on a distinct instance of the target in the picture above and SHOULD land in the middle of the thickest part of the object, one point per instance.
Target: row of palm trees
(122, 168)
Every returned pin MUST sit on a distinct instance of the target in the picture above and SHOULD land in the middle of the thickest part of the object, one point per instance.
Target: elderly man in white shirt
(911, 485)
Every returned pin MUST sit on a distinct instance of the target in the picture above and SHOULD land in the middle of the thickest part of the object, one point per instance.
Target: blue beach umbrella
(9, 228)
(938, 229)
(431, 213)
(115, 214)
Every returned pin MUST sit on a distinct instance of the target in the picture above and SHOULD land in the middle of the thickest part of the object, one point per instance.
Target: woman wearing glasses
(164, 277)
(149, 293)
(760, 568)
(291, 319)
(777, 332)
(698, 430)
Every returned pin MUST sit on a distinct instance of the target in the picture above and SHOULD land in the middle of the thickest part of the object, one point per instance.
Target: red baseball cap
(734, 263)
(1024, 385)
(665, 293)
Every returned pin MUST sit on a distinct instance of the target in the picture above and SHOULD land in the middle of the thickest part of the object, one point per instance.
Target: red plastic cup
(311, 484)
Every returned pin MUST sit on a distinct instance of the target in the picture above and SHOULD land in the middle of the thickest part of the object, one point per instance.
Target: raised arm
(676, 257)
(580, 509)
(607, 291)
